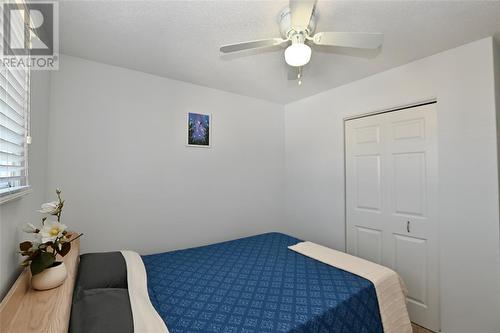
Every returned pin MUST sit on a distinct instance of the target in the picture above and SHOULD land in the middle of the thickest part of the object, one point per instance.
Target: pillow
(101, 270)
(103, 310)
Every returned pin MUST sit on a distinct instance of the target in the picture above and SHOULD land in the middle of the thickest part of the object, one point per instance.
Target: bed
(253, 284)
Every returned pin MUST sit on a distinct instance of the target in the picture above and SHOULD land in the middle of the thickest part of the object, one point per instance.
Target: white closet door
(391, 201)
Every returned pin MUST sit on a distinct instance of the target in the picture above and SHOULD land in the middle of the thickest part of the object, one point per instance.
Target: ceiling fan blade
(301, 11)
(349, 39)
(255, 44)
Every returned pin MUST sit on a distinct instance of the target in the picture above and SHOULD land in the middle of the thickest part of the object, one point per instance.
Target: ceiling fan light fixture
(297, 54)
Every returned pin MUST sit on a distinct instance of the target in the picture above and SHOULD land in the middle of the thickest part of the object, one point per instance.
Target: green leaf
(36, 265)
(40, 262)
(25, 246)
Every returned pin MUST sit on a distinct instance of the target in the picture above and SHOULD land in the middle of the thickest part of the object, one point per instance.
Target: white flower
(34, 246)
(29, 228)
(37, 238)
(51, 231)
(50, 208)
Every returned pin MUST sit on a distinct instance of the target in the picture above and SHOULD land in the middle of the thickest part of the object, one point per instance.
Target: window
(14, 127)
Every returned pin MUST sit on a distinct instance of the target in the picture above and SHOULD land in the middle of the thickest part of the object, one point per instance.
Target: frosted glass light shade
(297, 54)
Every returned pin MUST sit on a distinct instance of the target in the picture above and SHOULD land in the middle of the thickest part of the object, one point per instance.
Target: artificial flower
(52, 230)
(51, 208)
(50, 240)
(34, 246)
(37, 238)
(30, 228)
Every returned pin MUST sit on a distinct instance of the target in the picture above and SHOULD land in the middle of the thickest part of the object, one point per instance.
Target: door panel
(411, 264)
(409, 183)
(368, 192)
(369, 244)
(365, 179)
(409, 129)
(368, 134)
(391, 201)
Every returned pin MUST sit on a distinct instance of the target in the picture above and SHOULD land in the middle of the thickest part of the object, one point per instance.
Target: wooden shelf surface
(26, 310)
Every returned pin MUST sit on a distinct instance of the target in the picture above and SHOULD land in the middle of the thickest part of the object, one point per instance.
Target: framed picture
(199, 130)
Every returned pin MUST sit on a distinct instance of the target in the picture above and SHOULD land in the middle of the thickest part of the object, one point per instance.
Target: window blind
(14, 123)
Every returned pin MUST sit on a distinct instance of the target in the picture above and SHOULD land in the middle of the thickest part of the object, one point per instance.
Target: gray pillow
(101, 270)
(103, 310)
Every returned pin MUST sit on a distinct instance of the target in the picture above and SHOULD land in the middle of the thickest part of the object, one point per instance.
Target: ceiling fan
(297, 24)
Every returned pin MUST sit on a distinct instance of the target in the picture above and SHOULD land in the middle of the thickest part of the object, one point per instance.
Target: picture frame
(199, 130)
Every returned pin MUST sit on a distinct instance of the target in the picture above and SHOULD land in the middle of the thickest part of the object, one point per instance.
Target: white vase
(49, 278)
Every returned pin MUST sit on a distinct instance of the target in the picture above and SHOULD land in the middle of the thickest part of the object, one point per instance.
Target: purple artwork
(198, 130)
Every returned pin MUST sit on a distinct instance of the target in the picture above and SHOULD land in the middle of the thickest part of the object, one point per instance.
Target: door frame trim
(398, 108)
(363, 115)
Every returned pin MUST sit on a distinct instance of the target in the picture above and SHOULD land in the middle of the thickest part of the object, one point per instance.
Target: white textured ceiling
(181, 39)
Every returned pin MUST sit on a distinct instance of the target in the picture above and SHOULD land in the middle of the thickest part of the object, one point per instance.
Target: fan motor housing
(285, 22)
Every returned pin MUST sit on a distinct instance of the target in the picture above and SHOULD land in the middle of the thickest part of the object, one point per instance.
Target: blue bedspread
(256, 284)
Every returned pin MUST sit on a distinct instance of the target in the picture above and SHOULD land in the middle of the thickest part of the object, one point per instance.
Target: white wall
(14, 214)
(117, 150)
(462, 81)
(496, 54)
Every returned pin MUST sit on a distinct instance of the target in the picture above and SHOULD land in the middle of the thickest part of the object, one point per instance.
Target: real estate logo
(30, 35)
